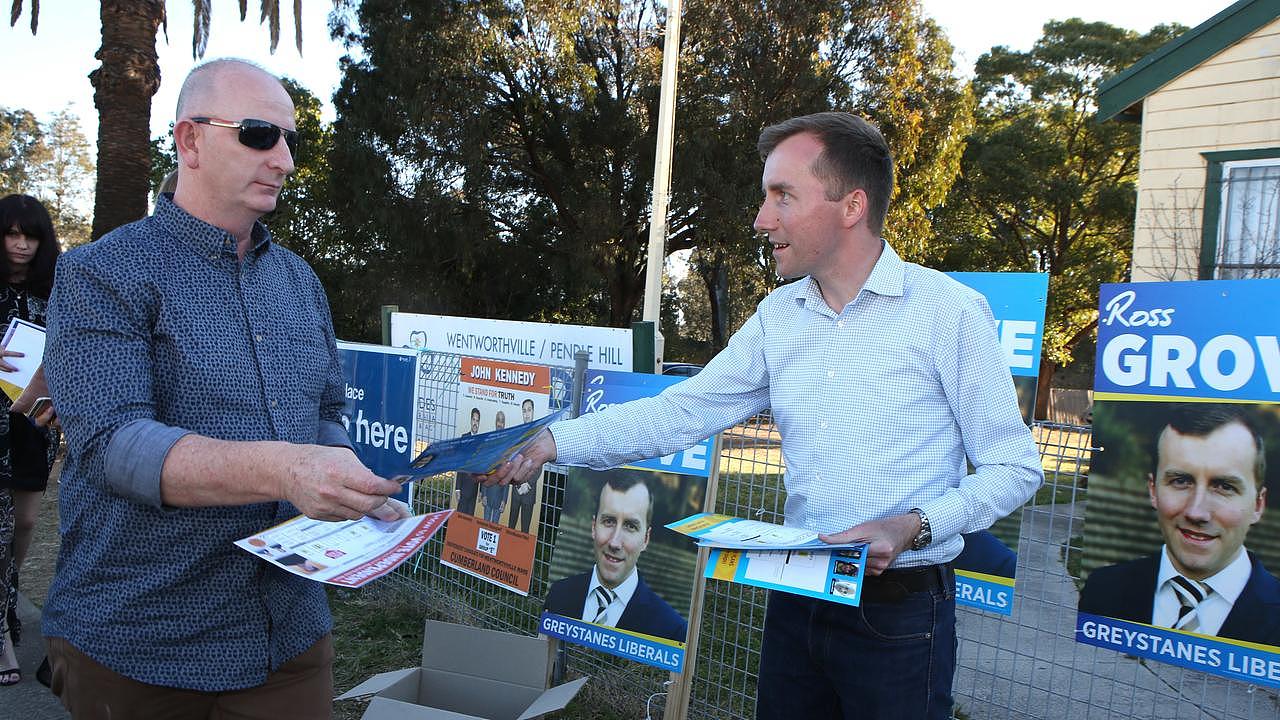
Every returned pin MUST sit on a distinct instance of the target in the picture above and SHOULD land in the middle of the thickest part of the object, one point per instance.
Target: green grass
(379, 628)
(374, 630)
(1055, 493)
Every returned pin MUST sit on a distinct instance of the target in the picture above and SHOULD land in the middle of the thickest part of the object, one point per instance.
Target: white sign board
(528, 342)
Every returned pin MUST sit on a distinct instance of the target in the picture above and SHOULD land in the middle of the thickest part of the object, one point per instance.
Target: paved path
(29, 700)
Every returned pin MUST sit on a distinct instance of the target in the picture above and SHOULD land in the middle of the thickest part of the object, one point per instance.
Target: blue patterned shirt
(878, 406)
(155, 331)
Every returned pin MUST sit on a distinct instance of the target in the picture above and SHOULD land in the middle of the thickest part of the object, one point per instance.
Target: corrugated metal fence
(1027, 665)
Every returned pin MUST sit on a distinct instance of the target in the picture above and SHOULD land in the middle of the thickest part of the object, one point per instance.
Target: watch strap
(925, 536)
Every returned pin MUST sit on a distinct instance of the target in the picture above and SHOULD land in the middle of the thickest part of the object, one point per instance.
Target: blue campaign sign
(1018, 302)
(380, 385)
(655, 651)
(1233, 659)
(1212, 339)
(993, 593)
(608, 387)
(984, 571)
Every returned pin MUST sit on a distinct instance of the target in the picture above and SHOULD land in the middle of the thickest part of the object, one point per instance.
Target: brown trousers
(301, 688)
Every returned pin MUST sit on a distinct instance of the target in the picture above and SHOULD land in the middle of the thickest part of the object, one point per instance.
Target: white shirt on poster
(1227, 585)
(621, 596)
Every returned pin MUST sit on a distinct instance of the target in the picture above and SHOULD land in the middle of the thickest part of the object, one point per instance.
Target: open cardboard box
(469, 673)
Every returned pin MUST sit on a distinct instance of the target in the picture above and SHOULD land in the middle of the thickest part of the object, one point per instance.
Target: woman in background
(26, 268)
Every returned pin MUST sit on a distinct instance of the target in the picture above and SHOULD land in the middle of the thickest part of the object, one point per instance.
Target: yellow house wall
(1229, 102)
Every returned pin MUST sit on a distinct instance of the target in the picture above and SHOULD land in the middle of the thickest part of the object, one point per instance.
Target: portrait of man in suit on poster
(612, 592)
(1207, 485)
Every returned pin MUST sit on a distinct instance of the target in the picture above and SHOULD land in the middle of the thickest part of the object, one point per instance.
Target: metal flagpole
(662, 170)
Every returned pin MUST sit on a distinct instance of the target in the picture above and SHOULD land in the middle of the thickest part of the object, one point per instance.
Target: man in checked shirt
(193, 364)
(883, 377)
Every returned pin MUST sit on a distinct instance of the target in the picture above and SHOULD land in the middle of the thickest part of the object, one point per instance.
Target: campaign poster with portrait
(1180, 544)
(621, 582)
(985, 570)
(494, 532)
(380, 393)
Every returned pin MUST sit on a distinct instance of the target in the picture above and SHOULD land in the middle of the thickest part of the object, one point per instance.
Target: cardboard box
(469, 673)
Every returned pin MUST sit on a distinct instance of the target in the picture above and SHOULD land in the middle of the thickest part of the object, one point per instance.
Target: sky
(59, 58)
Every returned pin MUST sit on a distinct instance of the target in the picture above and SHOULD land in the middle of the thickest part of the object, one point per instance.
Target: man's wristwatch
(925, 536)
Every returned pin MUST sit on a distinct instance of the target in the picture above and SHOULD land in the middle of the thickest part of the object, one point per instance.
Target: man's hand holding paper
(525, 465)
(886, 539)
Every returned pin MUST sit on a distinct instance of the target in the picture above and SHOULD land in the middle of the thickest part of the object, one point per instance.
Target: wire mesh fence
(1026, 665)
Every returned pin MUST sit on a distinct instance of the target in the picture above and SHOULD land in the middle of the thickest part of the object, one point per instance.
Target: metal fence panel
(1027, 665)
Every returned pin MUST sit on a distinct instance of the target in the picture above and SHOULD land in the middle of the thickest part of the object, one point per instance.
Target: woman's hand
(5, 365)
(34, 390)
(45, 417)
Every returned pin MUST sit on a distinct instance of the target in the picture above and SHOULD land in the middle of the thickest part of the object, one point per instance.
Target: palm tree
(124, 85)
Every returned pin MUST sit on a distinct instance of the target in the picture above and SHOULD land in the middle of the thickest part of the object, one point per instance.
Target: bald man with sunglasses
(197, 366)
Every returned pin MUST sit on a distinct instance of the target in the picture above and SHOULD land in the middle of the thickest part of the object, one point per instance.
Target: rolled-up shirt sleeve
(98, 365)
(135, 459)
(333, 434)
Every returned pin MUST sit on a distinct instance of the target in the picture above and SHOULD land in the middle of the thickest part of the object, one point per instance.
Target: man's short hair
(622, 482)
(475, 413)
(1201, 419)
(200, 81)
(854, 155)
(528, 402)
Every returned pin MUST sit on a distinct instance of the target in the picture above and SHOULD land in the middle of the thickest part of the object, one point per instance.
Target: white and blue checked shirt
(878, 407)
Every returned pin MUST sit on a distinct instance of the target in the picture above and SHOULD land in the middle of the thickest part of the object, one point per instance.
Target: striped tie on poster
(604, 597)
(1190, 594)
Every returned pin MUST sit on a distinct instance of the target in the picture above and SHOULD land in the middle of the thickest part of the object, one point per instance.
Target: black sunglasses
(257, 134)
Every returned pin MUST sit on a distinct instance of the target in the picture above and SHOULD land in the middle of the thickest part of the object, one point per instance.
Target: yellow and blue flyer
(777, 557)
(834, 575)
(735, 533)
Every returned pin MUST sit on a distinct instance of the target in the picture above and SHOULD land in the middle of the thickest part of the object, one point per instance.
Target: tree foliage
(65, 180)
(305, 220)
(50, 161)
(124, 84)
(499, 135)
(745, 66)
(1046, 186)
(22, 150)
(164, 158)
(518, 135)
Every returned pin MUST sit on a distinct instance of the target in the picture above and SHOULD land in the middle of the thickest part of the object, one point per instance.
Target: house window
(1248, 232)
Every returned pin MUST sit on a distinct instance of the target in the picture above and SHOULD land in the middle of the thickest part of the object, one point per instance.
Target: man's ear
(1260, 505)
(1151, 489)
(855, 206)
(185, 134)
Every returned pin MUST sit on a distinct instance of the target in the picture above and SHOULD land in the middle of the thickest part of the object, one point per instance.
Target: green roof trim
(1123, 91)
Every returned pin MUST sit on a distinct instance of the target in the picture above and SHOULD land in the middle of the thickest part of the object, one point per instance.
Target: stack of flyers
(479, 454)
(777, 557)
(28, 339)
(350, 553)
(735, 533)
